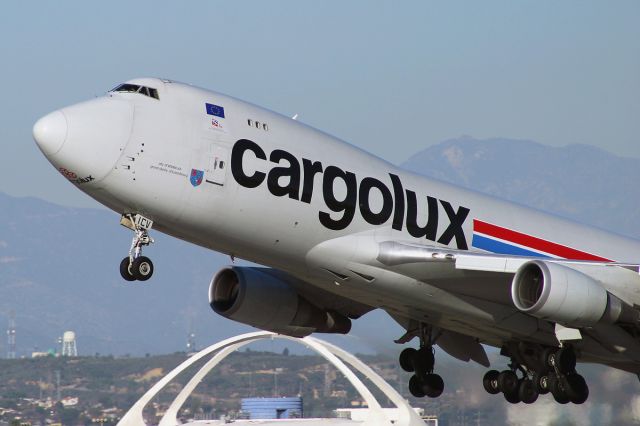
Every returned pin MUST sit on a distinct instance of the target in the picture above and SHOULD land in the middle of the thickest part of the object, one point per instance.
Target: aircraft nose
(84, 141)
(50, 132)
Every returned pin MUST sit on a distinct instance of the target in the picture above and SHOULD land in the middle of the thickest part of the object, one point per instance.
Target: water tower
(69, 344)
(11, 336)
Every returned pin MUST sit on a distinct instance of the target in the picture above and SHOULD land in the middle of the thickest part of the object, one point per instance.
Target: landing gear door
(217, 165)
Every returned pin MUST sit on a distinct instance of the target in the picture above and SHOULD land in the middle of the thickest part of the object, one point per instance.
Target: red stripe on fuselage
(533, 242)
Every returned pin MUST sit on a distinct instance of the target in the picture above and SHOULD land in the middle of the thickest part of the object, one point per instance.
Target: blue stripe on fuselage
(500, 247)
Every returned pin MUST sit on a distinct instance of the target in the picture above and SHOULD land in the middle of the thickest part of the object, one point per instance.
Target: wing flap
(464, 348)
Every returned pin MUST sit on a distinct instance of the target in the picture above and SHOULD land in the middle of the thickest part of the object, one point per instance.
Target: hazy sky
(390, 77)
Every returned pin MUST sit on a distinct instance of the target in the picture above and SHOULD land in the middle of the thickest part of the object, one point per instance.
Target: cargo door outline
(217, 165)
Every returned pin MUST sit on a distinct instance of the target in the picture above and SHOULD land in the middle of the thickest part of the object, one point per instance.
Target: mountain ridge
(542, 177)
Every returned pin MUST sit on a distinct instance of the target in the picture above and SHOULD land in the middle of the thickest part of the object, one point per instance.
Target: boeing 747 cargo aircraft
(342, 232)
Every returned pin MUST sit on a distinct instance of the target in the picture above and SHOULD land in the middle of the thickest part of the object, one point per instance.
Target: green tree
(69, 416)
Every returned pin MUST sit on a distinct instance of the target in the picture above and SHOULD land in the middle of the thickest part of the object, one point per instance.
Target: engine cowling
(258, 297)
(558, 293)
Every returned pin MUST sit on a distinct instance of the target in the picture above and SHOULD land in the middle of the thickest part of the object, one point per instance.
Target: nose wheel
(136, 267)
(140, 269)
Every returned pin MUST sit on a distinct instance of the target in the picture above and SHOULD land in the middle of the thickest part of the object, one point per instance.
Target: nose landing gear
(135, 266)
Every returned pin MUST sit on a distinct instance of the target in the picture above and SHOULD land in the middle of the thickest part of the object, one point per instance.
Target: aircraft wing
(589, 300)
(595, 299)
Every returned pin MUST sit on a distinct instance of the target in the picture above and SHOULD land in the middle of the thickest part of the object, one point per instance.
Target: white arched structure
(403, 414)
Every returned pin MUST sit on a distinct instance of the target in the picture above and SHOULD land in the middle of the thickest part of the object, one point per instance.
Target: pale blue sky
(390, 77)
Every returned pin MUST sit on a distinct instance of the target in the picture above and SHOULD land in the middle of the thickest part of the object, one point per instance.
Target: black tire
(142, 268)
(566, 360)
(508, 382)
(426, 358)
(552, 382)
(490, 382)
(547, 354)
(576, 388)
(406, 359)
(434, 385)
(512, 397)
(125, 271)
(527, 391)
(561, 398)
(557, 390)
(423, 361)
(416, 387)
(541, 382)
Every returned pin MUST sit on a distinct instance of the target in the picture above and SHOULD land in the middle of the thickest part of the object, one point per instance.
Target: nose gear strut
(135, 266)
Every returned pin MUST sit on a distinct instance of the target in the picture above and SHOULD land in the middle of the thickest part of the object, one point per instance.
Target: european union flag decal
(216, 110)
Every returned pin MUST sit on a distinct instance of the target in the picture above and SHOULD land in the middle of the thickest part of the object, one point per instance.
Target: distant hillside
(580, 182)
(108, 386)
(104, 383)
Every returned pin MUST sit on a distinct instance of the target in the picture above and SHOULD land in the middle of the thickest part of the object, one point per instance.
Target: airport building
(271, 408)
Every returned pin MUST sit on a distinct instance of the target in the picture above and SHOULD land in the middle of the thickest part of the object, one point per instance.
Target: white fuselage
(242, 180)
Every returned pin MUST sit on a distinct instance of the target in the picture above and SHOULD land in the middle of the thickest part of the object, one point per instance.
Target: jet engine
(261, 298)
(558, 293)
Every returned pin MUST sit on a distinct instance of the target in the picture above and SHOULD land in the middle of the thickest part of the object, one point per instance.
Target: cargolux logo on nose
(73, 178)
(300, 186)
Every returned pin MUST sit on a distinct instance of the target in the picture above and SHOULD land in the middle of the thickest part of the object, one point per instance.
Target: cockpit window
(135, 88)
(127, 88)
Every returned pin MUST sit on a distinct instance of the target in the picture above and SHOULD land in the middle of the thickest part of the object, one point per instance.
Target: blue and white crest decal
(196, 177)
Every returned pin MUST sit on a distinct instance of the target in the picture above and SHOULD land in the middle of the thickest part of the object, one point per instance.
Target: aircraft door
(217, 165)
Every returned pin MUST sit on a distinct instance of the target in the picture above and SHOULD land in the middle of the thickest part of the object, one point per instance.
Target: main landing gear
(543, 370)
(135, 266)
(421, 362)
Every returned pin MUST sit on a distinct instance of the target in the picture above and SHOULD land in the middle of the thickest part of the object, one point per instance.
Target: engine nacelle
(558, 293)
(256, 297)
